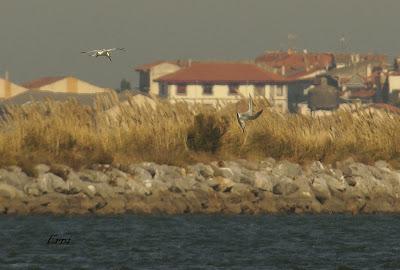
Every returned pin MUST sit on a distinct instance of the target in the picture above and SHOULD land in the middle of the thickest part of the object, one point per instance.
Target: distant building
(9, 89)
(354, 76)
(148, 73)
(348, 59)
(292, 63)
(64, 84)
(394, 86)
(301, 68)
(222, 82)
(364, 96)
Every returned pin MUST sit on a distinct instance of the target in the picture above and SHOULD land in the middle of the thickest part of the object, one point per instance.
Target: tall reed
(69, 133)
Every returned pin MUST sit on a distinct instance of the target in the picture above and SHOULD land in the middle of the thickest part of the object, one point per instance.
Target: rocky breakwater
(231, 187)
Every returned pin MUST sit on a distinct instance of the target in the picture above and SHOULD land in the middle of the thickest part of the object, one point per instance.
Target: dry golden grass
(52, 132)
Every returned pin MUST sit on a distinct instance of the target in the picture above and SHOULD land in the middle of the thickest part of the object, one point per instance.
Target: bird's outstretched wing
(240, 122)
(92, 51)
(115, 49)
(250, 111)
(109, 57)
(256, 115)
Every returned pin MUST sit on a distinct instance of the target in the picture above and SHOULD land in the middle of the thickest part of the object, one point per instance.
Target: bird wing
(240, 122)
(109, 57)
(256, 115)
(92, 51)
(115, 49)
(250, 111)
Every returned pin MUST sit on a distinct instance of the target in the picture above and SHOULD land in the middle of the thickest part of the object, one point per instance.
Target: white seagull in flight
(246, 116)
(103, 52)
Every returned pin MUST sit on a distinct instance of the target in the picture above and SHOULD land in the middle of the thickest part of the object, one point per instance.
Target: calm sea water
(201, 242)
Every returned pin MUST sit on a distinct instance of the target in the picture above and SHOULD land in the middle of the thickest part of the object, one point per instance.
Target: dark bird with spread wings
(103, 52)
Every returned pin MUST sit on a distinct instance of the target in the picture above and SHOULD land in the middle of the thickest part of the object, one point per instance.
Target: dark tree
(124, 85)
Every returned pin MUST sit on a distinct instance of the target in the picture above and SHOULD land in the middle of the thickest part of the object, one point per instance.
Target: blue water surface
(201, 242)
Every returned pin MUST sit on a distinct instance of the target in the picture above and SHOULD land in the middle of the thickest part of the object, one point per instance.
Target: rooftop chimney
(283, 70)
(306, 64)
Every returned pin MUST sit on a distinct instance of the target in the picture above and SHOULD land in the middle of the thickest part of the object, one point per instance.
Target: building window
(233, 89)
(207, 89)
(181, 89)
(279, 91)
(259, 89)
(163, 89)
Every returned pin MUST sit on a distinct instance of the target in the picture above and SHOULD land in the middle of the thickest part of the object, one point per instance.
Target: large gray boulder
(182, 184)
(264, 181)
(15, 178)
(49, 182)
(381, 164)
(149, 166)
(371, 187)
(61, 170)
(104, 190)
(58, 184)
(220, 183)
(236, 172)
(140, 173)
(223, 172)
(93, 176)
(317, 166)
(9, 192)
(268, 163)
(287, 169)
(75, 183)
(334, 184)
(32, 189)
(285, 187)
(320, 189)
(167, 173)
(247, 176)
(201, 170)
(249, 165)
(356, 169)
(134, 186)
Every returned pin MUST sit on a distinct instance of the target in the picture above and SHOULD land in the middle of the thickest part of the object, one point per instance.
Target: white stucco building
(218, 83)
(148, 73)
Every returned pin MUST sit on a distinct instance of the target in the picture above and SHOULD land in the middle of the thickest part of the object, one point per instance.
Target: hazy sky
(44, 37)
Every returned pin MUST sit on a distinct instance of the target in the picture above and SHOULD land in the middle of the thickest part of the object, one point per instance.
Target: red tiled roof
(181, 63)
(295, 60)
(299, 76)
(41, 82)
(218, 72)
(386, 107)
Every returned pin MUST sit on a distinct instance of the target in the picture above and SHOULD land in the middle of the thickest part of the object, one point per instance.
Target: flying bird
(247, 116)
(103, 52)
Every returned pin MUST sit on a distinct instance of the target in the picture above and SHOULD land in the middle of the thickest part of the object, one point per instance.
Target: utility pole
(342, 44)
